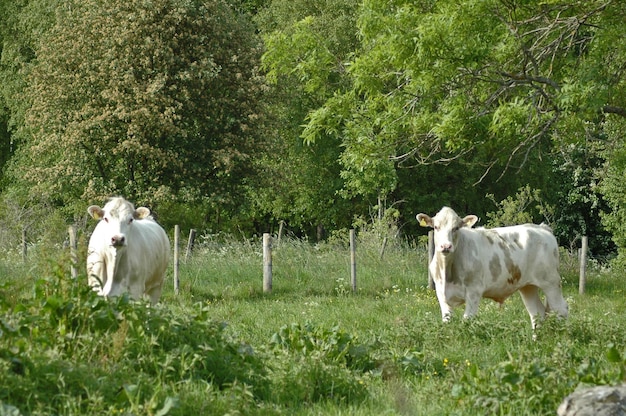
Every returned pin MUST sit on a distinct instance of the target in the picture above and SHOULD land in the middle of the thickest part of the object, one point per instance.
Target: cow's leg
(555, 300)
(472, 300)
(446, 309)
(534, 306)
(136, 287)
(154, 293)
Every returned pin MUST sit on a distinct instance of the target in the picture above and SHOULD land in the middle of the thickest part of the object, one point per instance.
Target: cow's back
(518, 256)
(532, 247)
(148, 255)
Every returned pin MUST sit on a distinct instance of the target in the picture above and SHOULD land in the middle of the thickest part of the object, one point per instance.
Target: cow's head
(118, 216)
(446, 224)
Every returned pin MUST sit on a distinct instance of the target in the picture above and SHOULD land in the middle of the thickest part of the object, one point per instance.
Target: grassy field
(311, 347)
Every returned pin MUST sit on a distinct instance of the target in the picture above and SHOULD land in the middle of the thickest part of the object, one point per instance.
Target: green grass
(310, 347)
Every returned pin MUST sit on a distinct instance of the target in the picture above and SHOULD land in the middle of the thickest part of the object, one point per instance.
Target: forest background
(232, 116)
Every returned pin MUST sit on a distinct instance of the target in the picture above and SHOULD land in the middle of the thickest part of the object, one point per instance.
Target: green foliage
(536, 385)
(320, 365)
(330, 345)
(148, 99)
(427, 103)
(69, 344)
(496, 86)
(307, 44)
(612, 187)
(311, 347)
(526, 207)
(577, 198)
(519, 383)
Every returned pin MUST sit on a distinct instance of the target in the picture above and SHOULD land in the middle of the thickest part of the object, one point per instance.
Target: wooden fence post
(176, 262)
(24, 245)
(353, 260)
(431, 254)
(73, 249)
(190, 243)
(582, 279)
(267, 263)
(281, 230)
(383, 247)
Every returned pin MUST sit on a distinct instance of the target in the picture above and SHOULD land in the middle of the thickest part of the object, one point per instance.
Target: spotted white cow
(474, 263)
(128, 251)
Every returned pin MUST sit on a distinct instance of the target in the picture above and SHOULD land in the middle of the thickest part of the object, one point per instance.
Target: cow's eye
(131, 220)
(436, 227)
(106, 219)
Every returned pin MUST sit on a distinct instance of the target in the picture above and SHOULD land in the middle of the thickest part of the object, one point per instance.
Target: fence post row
(73, 250)
(582, 278)
(267, 263)
(190, 244)
(267, 257)
(176, 262)
(24, 245)
(353, 259)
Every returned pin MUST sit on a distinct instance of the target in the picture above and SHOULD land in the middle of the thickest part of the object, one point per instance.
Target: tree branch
(610, 109)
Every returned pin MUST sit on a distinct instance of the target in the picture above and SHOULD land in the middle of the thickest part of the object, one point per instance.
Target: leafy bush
(309, 380)
(69, 343)
(526, 206)
(330, 345)
(320, 364)
(534, 383)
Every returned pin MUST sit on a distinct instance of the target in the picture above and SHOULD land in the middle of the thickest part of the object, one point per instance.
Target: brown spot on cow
(515, 272)
(494, 267)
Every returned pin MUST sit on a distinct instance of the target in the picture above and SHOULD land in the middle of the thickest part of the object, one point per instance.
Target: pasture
(311, 347)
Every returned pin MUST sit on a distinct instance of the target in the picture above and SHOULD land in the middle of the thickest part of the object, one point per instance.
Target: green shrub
(68, 344)
(329, 345)
(307, 379)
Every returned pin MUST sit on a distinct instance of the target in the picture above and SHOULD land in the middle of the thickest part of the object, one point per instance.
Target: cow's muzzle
(118, 241)
(445, 248)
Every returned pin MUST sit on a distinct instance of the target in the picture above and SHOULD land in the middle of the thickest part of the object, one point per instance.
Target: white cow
(128, 251)
(474, 263)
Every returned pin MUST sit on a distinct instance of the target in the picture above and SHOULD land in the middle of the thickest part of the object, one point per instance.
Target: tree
(307, 43)
(21, 23)
(612, 185)
(493, 88)
(450, 78)
(156, 100)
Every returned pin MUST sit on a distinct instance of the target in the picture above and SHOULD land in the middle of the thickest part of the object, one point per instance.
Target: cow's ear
(141, 213)
(424, 220)
(96, 212)
(470, 220)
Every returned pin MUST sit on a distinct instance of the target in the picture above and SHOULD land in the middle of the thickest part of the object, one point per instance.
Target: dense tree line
(235, 115)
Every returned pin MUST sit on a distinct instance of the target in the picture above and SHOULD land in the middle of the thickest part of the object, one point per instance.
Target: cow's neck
(117, 260)
(445, 270)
